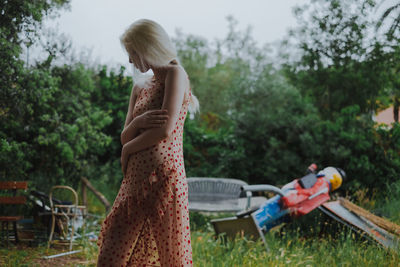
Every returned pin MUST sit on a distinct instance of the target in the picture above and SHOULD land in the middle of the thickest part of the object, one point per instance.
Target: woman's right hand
(151, 119)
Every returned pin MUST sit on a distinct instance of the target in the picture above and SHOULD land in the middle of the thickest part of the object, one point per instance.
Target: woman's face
(139, 62)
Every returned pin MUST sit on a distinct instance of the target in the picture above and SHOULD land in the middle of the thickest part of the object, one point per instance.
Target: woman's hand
(151, 119)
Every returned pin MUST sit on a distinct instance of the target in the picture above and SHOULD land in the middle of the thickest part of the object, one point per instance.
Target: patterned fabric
(148, 224)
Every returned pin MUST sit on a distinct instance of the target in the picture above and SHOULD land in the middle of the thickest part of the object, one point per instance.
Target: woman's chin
(144, 70)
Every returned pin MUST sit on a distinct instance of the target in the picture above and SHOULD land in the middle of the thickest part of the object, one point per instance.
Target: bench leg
(4, 231)
(15, 232)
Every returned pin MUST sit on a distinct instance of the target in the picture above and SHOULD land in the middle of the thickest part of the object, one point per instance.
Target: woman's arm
(175, 87)
(130, 129)
(129, 132)
(149, 119)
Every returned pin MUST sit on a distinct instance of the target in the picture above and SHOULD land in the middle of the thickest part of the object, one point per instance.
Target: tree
(19, 23)
(339, 64)
(50, 134)
(394, 27)
(393, 38)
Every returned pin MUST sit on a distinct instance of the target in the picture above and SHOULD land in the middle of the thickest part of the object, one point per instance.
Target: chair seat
(10, 218)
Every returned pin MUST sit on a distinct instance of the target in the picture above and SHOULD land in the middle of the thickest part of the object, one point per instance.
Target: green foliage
(270, 131)
(111, 94)
(58, 130)
(209, 153)
(369, 154)
(275, 131)
(340, 64)
(393, 31)
(259, 123)
(389, 201)
(19, 23)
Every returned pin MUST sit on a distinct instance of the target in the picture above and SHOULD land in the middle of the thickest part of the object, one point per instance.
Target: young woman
(149, 221)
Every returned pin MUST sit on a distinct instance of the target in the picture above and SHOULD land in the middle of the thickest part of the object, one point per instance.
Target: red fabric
(298, 202)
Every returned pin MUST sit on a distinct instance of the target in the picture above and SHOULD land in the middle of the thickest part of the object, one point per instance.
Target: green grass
(290, 251)
(290, 248)
(309, 241)
(287, 250)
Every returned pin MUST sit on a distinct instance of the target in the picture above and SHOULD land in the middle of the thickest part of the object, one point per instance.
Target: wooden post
(84, 195)
(97, 194)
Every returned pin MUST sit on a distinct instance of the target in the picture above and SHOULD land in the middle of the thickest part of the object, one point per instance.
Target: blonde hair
(148, 39)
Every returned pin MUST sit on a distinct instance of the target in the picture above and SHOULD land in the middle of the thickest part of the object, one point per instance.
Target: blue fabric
(270, 213)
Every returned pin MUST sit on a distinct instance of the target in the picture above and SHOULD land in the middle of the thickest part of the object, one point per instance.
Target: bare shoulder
(136, 90)
(176, 73)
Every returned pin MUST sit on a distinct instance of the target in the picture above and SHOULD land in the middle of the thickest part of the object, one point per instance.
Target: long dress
(148, 224)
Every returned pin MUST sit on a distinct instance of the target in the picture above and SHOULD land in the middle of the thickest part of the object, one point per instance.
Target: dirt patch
(63, 261)
(23, 255)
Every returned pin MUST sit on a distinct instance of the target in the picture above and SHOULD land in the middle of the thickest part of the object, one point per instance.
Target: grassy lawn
(312, 240)
(287, 249)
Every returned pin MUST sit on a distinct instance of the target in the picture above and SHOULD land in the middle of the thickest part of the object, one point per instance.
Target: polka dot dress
(148, 224)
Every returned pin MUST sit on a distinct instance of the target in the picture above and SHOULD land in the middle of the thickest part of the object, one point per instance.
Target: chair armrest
(263, 187)
(260, 188)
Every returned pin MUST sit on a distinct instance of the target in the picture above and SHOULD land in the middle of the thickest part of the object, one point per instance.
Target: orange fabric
(148, 224)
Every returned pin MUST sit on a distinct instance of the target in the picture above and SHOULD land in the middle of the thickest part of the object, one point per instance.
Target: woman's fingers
(159, 112)
(159, 117)
(157, 121)
(155, 125)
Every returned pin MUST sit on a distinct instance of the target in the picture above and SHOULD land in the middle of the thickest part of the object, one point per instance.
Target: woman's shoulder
(176, 72)
(136, 89)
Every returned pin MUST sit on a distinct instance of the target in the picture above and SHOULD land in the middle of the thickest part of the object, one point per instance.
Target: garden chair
(65, 216)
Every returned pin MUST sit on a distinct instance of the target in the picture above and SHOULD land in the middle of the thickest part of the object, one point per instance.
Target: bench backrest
(13, 186)
(204, 189)
(9, 194)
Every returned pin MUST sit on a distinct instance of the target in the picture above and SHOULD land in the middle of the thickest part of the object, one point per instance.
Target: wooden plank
(8, 185)
(97, 193)
(359, 223)
(10, 218)
(381, 222)
(84, 194)
(13, 200)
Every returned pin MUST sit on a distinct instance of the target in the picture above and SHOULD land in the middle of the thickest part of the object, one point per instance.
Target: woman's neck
(160, 73)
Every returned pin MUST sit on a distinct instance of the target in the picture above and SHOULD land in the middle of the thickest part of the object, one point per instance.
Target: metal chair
(219, 195)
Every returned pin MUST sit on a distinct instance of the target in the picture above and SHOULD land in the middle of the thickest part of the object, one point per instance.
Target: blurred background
(280, 85)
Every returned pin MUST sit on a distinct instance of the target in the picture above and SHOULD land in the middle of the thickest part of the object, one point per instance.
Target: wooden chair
(12, 186)
(65, 216)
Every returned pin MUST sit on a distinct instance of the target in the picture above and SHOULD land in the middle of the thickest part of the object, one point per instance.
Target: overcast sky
(98, 24)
